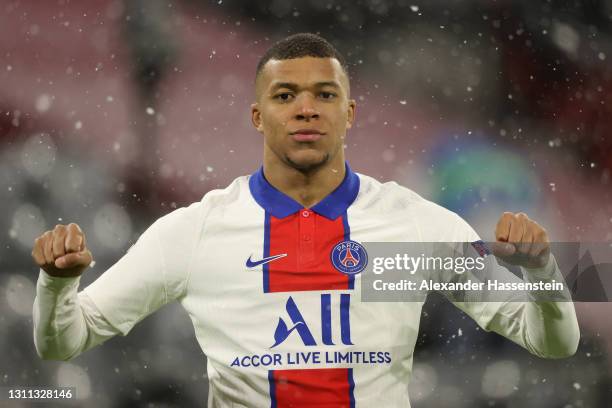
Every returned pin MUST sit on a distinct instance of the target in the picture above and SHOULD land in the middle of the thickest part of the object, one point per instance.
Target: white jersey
(279, 323)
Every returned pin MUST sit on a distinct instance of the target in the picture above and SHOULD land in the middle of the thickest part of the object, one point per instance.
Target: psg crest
(349, 257)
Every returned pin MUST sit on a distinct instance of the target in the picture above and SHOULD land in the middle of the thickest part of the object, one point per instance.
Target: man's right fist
(62, 252)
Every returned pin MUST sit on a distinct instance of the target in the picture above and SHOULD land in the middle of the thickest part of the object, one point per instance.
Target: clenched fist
(62, 252)
(521, 241)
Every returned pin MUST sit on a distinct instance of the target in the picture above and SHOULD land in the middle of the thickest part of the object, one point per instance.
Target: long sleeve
(66, 323)
(545, 328)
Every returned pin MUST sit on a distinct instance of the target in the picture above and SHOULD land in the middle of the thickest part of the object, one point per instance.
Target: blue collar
(281, 205)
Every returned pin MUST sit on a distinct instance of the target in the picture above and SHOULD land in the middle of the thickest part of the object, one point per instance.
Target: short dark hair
(301, 45)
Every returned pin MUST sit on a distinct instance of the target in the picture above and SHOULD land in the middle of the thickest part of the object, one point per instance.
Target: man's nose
(307, 108)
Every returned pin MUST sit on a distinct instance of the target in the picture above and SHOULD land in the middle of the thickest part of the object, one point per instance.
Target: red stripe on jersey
(307, 238)
(324, 388)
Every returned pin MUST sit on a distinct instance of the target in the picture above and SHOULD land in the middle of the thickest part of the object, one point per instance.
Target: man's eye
(328, 95)
(284, 96)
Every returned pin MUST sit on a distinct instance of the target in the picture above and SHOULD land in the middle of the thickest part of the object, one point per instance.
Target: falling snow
(114, 116)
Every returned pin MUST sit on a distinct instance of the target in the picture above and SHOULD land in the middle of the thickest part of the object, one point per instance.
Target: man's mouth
(306, 135)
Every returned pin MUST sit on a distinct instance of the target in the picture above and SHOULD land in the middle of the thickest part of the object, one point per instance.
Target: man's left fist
(521, 241)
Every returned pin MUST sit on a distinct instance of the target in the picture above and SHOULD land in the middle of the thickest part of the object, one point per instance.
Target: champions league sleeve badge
(349, 257)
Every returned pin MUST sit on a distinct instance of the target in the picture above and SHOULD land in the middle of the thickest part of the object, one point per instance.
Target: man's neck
(306, 188)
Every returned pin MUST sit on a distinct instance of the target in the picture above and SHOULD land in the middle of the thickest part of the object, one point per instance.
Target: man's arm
(546, 328)
(152, 273)
(66, 323)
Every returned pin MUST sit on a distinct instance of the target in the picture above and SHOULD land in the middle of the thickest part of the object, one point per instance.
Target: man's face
(303, 111)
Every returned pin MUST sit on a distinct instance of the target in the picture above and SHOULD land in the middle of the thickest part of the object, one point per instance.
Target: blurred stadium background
(113, 113)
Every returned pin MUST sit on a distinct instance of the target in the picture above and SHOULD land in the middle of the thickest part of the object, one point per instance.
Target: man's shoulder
(213, 200)
(391, 199)
(391, 194)
(233, 193)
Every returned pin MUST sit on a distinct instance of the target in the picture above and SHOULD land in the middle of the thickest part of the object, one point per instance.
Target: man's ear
(350, 118)
(256, 117)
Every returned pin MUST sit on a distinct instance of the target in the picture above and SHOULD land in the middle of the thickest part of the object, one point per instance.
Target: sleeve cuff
(545, 272)
(55, 282)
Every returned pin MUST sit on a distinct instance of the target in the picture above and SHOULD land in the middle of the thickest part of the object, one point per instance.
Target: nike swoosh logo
(252, 264)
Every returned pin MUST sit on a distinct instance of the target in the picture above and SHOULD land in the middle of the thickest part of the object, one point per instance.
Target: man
(280, 322)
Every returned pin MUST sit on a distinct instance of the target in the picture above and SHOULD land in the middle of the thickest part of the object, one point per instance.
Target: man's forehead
(302, 70)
